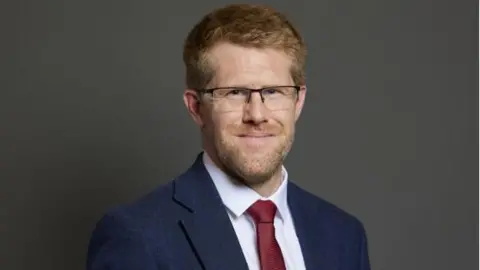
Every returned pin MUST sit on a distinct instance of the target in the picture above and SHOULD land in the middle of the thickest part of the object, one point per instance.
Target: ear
(193, 104)
(300, 101)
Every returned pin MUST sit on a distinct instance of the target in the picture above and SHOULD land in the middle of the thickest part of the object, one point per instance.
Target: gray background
(92, 116)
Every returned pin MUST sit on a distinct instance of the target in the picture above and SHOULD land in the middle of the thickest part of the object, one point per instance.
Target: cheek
(222, 123)
(286, 119)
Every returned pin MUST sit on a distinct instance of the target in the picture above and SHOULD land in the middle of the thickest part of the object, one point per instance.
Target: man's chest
(285, 235)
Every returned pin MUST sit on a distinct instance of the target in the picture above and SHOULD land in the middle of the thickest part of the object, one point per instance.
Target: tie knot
(262, 211)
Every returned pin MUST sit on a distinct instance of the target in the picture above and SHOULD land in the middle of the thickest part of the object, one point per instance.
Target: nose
(255, 111)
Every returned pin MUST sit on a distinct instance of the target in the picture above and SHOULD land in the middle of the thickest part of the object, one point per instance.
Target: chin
(256, 167)
(251, 162)
(254, 175)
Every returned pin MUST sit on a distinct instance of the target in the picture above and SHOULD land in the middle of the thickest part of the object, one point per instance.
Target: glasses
(234, 98)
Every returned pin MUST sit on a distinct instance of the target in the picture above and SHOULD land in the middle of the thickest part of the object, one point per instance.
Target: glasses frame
(250, 90)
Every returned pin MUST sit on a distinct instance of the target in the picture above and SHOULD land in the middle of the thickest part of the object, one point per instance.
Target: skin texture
(250, 144)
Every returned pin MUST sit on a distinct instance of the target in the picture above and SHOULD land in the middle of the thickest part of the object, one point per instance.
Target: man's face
(250, 141)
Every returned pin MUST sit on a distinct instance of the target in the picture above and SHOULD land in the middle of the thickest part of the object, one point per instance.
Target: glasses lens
(235, 99)
(279, 98)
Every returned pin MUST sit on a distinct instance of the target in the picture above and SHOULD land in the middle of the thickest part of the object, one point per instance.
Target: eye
(270, 91)
(234, 92)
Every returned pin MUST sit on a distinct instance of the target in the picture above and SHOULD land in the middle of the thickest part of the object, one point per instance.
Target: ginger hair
(253, 26)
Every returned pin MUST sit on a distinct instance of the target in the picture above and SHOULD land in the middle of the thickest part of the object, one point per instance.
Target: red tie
(269, 252)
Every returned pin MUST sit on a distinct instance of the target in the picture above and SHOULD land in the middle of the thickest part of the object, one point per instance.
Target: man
(235, 208)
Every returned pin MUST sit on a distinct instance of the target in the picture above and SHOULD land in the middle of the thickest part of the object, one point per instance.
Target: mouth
(256, 140)
(256, 135)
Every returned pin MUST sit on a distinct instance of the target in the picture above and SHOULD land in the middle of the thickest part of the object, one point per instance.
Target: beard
(252, 165)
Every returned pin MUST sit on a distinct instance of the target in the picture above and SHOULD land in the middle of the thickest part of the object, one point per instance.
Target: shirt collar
(237, 197)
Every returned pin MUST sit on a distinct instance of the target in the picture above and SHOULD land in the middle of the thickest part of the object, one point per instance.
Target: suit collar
(314, 236)
(213, 237)
(208, 227)
(195, 190)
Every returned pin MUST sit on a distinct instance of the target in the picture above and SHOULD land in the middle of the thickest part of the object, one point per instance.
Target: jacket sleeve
(114, 245)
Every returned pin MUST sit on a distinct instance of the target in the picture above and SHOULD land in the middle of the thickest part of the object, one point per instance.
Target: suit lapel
(314, 238)
(208, 227)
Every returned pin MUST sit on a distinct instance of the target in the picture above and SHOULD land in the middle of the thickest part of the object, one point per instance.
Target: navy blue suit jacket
(183, 225)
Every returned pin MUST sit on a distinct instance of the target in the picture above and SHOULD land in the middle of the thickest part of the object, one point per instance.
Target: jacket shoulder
(155, 204)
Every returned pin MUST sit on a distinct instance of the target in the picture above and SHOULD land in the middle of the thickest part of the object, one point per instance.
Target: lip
(256, 140)
(262, 135)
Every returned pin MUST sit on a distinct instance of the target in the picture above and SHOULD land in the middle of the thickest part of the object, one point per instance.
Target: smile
(256, 139)
(264, 135)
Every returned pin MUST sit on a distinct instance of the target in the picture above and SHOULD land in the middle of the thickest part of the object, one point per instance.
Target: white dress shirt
(238, 198)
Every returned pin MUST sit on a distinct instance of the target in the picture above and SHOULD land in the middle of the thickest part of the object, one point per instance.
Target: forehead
(235, 65)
